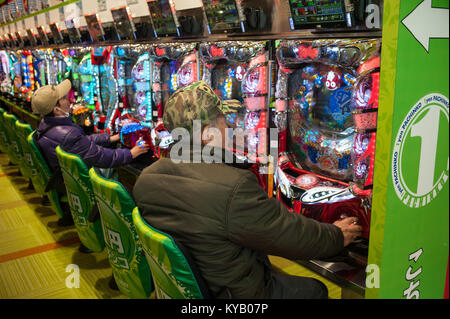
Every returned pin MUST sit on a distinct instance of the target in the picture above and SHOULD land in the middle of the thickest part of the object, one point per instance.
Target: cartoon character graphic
(333, 79)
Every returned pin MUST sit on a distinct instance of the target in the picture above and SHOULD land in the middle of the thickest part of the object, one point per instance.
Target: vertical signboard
(410, 222)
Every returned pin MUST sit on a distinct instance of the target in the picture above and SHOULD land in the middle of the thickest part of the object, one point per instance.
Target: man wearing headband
(222, 216)
(57, 128)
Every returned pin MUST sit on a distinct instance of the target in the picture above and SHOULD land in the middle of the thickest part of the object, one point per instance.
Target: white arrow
(426, 22)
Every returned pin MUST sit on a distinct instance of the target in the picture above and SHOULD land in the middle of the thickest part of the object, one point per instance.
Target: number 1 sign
(410, 197)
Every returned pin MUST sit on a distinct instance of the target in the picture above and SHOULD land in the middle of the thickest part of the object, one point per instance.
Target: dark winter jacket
(54, 131)
(229, 225)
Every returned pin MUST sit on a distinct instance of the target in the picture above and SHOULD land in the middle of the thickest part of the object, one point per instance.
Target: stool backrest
(14, 151)
(4, 141)
(173, 275)
(126, 255)
(26, 164)
(41, 175)
(81, 199)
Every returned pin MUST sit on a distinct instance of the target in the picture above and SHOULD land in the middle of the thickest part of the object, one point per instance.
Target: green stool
(4, 141)
(81, 200)
(22, 131)
(174, 274)
(126, 255)
(41, 176)
(14, 151)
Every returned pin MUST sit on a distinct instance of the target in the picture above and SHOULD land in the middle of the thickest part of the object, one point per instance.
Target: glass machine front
(326, 101)
(238, 70)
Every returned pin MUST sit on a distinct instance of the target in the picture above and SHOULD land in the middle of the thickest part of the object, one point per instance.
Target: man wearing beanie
(57, 128)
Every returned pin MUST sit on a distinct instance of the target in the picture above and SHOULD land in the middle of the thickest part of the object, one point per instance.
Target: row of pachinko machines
(320, 97)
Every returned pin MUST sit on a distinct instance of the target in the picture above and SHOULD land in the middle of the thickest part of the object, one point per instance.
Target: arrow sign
(426, 22)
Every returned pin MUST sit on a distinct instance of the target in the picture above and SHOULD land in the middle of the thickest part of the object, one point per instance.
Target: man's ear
(206, 137)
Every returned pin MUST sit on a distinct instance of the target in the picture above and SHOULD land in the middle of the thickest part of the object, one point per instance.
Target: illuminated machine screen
(124, 24)
(42, 35)
(313, 12)
(162, 18)
(94, 27)
(31, 37)
(56, 33)
(74, 33)
(222, 16)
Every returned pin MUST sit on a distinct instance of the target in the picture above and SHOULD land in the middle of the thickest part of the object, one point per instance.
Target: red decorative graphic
(160, 51)
(305, 52)
(215, 51)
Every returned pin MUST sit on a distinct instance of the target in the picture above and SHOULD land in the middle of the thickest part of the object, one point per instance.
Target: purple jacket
(54, 131)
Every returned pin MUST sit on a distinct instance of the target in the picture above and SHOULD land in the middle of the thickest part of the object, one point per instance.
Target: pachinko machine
(326, 112)
(238, 70)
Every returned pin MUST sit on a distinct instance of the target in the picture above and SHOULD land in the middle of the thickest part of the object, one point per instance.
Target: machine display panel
(162, 18)
(56, 33)
(42, 35)
(94, 27)
(222, 16)
(31, 37)
(124, 23)
(314, 12)
(74, 33)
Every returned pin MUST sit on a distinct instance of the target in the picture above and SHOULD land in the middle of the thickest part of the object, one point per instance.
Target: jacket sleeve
(102, 139)
(264, 224)
(93, 154)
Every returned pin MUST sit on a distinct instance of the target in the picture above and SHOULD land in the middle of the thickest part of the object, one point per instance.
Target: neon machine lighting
(51, 67)
(39, 66)
(6, 75)
(326, 103)
(87, 81)
(142, 86)
(127, 59)
(239, 70)
(16, 72)
(83, 86)
(28, 74)
(106, 87)
(83, 112)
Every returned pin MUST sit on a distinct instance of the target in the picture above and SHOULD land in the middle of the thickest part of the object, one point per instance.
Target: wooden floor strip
(39, 249)
(13, 204)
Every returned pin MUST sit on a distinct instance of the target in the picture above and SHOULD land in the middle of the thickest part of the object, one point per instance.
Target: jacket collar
(204, 154)
(49, 122)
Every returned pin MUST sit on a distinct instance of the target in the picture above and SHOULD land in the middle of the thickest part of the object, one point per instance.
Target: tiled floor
(37, 256)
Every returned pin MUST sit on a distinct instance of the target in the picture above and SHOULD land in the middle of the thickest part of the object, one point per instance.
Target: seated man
(220, 213)
(57, 128)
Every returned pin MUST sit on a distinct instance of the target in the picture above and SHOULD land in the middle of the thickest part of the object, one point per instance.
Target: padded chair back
(41, 175)
(26, 164)
(14, 151)
(174, 277)
(4, 141)
(81, 200)
(126, 255)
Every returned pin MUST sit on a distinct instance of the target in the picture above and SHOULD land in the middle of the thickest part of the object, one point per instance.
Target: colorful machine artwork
(238, 70)
(174, 65)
